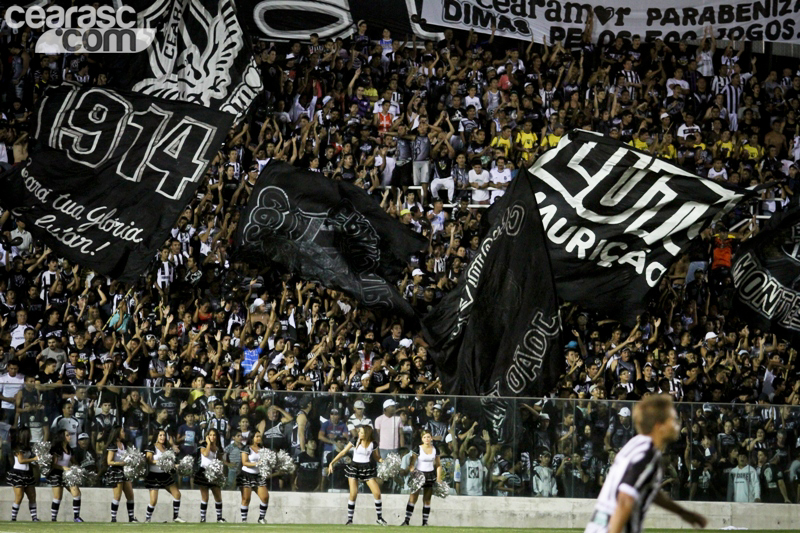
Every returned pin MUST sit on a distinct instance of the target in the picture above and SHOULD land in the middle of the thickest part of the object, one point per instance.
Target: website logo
(85, 29)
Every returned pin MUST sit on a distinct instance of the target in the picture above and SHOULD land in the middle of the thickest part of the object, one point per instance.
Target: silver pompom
(75, 477)
(441, 489)
(166, 461)
(185, 466)
(215, 473)
(135, 464)
(43, 456)
(284, 464)
(267, 460)
(390, 467)
(416, 481)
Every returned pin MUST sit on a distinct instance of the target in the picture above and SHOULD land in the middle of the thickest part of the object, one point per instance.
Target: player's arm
(665, 502)
(622, 513)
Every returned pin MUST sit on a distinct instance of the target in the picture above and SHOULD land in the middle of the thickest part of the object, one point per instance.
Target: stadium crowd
(435, 131)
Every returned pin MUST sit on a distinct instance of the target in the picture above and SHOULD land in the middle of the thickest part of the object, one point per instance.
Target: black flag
(616, 218)
(496, 334)
(766, 273)
(109, 173)
(327, 231)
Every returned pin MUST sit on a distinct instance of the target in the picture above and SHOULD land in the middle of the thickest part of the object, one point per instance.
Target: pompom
(441, 489)
(267, 460)
(185, 466)
(43, 456)
(416, 481)
(75, 477)
(390, 467)
(215, 473)
(135, 464)
(166, 461)
(284, 464)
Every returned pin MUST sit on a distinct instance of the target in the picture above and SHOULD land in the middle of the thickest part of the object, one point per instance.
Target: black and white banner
(497, 334)
(766, 273)
(109, 172)
(330, 232)
(202, 54)
(616, 218)
(750, 20)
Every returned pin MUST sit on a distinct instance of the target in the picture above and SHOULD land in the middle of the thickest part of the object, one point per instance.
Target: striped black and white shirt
(733, 98)
(632, 77)
(637, 472)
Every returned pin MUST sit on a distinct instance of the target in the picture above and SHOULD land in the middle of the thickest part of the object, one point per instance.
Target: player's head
(655, 416)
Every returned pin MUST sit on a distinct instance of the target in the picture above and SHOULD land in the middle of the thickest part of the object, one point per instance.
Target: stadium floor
(100, 527)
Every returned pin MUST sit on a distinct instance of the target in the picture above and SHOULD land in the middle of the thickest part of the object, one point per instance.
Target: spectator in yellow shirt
(503, 141)
(526, 141)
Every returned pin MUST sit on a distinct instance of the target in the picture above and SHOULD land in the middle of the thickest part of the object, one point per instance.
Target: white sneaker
(262, 521)
(180, 520)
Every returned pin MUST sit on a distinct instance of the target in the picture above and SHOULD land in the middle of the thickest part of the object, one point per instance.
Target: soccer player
(634, 480)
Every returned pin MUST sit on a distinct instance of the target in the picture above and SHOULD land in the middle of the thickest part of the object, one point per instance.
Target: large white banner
(759, 20)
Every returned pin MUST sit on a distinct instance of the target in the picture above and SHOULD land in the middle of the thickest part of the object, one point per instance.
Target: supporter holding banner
(497, 333)
(616, 218)
(330, 232)
(766, 273)
(752, 20)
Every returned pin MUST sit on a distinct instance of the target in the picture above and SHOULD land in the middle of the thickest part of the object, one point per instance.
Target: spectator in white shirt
(10, 384)
(500, 178)
(479, 180)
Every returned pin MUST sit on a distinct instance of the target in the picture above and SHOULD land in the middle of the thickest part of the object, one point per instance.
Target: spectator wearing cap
(437, 425)
(331, 429)
(357, 419)
(620, 431)
(389, 429)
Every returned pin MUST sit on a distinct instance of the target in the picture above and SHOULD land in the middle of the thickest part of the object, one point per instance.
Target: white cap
(664, 115)
(624, 412)
(389, 403)
(91, 329)
(406, 343)
(258, 301)
(359, 405)
(711, 335)
(544, 416)
(417, 272)
(326, 100)
(437, 406)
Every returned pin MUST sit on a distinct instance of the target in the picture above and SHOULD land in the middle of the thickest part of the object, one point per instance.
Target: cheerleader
(115, 475)
(62, 461)
(158, 479)
(249, 478)
(362, 468)
(208, 452)
(426, 461)
(21, 476)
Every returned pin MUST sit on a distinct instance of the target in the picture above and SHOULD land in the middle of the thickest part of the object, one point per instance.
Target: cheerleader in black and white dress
(208, 452)
(426, 460)
(62, 461)
(158, 479)
(249, 479)
(115, 475)
(21, 476)
(362, 468)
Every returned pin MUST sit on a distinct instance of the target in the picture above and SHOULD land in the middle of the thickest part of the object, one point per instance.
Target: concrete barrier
(456, 511)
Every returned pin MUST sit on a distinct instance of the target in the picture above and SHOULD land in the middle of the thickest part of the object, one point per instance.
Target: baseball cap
(572, 345)
(664, 115)
(417, 272)
(83, 436)
(593, 388)
(437, 406)
(544, 416)
(389, 403)
(711, 335)
(326, 100)
(707, 407)
(212, 399)
(624, 412)
(163, 347)
(359, 405)
(334, 411)
(405, 212)
(258, 301)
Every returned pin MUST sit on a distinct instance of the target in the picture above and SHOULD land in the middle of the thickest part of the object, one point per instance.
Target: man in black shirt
(309, 469)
